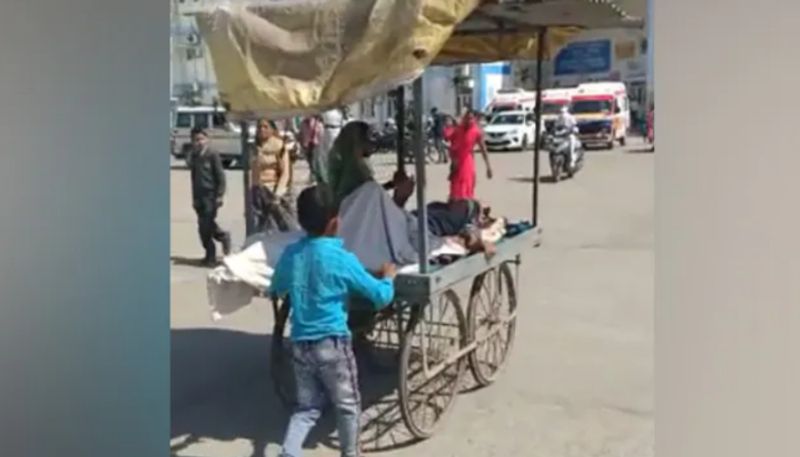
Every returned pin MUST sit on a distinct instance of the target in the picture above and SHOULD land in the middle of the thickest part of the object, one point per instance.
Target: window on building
(201, 120)
(390, 106)
(183, 121)
(194, 52)
(219, 120)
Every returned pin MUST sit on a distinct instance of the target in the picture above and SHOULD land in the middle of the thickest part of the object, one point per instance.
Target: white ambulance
(603, 113)
(512, 100)
(552, 102)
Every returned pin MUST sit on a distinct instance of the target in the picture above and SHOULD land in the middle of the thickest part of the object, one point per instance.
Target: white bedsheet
(246, 274)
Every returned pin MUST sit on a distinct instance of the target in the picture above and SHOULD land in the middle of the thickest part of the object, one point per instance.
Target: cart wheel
(440, 329)
(281, 369)
(492, 317)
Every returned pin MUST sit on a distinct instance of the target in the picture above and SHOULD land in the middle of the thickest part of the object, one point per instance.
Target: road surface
(579, 382)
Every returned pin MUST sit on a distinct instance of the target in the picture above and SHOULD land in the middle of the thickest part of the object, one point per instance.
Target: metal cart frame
(436, 337)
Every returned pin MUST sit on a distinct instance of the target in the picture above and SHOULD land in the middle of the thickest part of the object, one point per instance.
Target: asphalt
(580, 379)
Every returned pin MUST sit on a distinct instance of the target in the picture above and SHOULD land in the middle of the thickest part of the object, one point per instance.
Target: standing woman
(348, 167)
(271, 190)
(463, 139)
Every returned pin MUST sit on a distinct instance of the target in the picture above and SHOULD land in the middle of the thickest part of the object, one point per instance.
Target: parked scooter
(557, 143)
(432, 154)
(385, 140)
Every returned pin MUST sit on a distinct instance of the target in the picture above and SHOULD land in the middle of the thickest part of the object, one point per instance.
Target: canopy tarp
(287, 57)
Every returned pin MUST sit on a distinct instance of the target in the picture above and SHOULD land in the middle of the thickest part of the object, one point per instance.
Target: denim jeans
(324, 370)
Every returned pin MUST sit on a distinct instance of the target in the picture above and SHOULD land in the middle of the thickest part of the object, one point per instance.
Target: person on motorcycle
(567, 122)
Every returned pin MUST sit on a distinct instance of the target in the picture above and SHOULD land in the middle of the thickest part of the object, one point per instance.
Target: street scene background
(579, 381)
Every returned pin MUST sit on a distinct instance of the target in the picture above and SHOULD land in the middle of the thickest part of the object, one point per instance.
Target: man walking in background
(208, 191)
(310, 139)
(437, 130)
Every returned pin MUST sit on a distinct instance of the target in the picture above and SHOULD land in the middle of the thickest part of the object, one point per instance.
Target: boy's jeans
(324, 369)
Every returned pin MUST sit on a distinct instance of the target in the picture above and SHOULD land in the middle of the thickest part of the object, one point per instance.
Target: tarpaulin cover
(287, 57)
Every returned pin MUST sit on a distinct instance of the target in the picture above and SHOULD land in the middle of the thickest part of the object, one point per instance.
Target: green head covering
(348, 169)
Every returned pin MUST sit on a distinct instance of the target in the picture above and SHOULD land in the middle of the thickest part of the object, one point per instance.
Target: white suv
(224, 136)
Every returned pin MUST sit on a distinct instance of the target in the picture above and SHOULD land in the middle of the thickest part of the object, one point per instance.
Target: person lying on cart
(318, 276)
(349, 171)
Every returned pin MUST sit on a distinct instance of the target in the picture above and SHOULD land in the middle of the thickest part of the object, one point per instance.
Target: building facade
(192, 79)
(597, 55)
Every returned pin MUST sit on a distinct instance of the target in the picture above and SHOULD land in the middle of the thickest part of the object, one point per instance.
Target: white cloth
(332, 123)
(247, 273)
(494, 232)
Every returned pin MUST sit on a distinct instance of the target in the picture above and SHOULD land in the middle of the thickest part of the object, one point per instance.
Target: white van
(224, 135)
(552, 102)
(603, 113)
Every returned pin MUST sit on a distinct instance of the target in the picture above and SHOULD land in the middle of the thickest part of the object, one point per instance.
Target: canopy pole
(419, 163)
(540, 48)
(400, 121)
(248, 204)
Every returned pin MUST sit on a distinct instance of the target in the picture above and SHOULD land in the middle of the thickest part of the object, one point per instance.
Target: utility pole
(172, 23)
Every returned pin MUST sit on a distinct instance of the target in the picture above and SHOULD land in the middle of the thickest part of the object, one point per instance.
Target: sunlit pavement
(580, 379)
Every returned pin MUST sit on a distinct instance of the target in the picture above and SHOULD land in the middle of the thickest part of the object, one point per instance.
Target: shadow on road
(221, 390)
(527, 180)
(645, 150)
(186, 261)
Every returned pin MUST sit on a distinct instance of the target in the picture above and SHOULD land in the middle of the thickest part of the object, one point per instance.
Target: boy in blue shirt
(318, 275)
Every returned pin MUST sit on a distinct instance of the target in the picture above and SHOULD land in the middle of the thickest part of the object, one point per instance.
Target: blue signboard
(584, 57)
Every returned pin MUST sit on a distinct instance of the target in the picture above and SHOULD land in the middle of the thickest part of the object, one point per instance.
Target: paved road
(580, 379)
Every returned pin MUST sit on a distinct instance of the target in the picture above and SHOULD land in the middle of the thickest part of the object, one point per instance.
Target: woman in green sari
(348, 167)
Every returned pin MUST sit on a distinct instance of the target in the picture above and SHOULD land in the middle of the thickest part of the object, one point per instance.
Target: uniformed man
(208, 191)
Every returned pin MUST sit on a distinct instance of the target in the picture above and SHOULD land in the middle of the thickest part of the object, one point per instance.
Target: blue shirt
(319, 275)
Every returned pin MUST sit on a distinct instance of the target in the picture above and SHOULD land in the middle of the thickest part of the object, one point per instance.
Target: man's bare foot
(489, 249)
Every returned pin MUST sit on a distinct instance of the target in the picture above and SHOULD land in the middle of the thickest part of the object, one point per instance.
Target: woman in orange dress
(463, 138)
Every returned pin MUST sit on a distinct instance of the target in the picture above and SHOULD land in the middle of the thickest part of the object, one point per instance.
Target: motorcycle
(386, 142)
(432, 153)
(557, 143)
